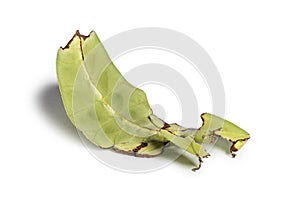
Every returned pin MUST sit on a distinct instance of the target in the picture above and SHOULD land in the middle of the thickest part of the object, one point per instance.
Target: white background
(255, 46)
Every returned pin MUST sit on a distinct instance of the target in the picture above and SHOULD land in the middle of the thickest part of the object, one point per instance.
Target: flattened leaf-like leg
(216, 126)
(188, 144)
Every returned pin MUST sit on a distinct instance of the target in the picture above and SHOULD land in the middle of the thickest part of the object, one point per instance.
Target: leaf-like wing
(97, 98)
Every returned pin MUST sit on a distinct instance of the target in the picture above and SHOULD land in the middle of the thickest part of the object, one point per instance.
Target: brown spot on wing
(143, 144)
(77, 34)
(166, 125)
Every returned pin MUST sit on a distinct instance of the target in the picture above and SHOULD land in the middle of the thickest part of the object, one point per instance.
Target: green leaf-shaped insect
(112, 113)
